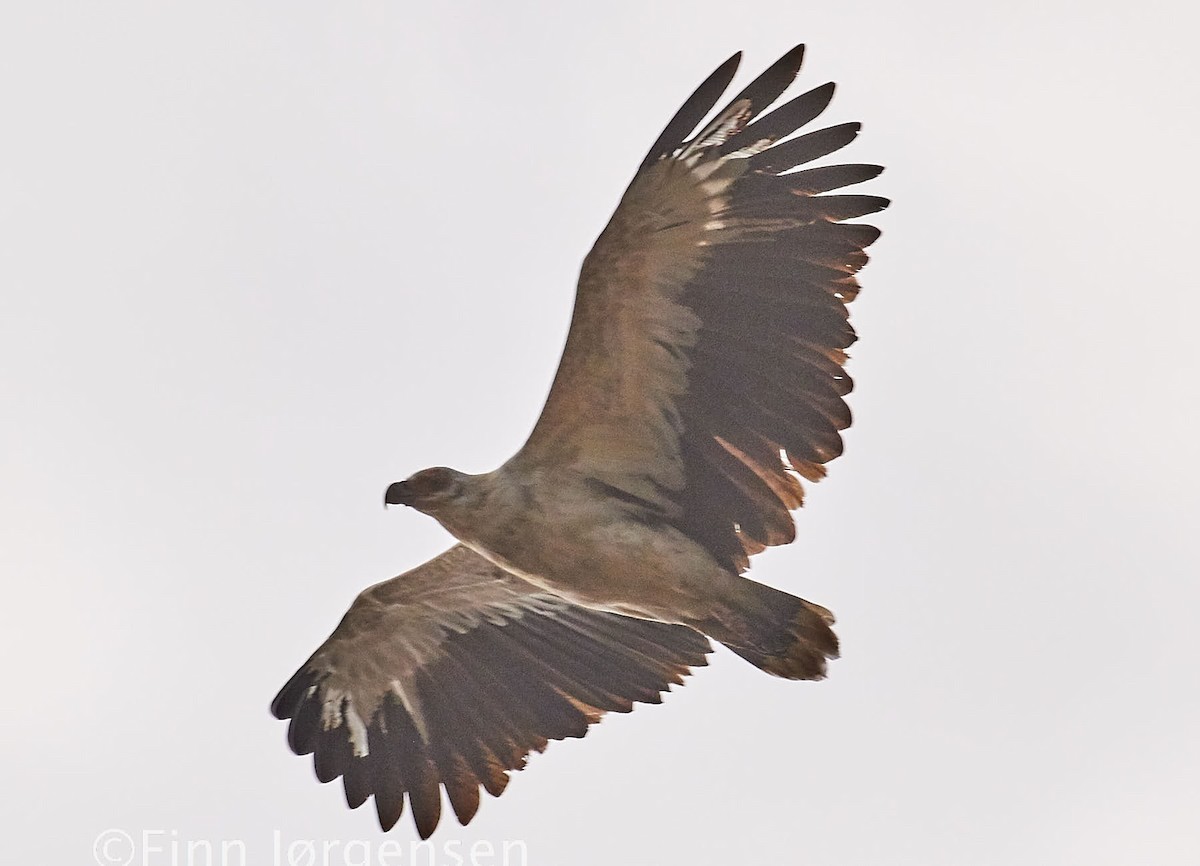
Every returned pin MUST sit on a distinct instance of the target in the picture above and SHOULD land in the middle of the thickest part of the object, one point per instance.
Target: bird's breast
(587, 548)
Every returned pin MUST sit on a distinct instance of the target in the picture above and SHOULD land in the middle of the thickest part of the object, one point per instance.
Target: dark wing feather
(450, 675)
(792, 114)
(703, 369)
(692, 111)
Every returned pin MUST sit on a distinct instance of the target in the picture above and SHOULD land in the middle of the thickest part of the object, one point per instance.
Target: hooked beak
(397, 494)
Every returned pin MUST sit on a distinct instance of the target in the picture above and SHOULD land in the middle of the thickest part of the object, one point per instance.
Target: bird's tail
(776, 632)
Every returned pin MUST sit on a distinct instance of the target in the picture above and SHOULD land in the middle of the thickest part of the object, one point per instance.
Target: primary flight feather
(701, 379)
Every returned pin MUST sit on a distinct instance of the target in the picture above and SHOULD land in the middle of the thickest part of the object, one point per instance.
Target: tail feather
(776, 632)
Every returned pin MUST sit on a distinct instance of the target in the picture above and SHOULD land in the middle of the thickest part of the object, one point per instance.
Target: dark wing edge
(498, 672)
(766, 380)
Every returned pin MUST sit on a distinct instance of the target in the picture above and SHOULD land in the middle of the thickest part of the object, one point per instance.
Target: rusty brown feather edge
(496, 693)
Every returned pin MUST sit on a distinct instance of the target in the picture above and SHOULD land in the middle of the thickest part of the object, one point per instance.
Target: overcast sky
(257, 260)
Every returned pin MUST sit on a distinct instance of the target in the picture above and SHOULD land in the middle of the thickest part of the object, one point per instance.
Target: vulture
(701, 380)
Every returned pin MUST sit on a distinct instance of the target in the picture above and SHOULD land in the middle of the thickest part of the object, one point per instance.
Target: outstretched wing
(451, 674)
(703, 366)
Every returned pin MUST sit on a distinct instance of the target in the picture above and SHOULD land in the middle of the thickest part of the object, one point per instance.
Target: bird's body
(558, 535)
(552, 530)
(702, 377)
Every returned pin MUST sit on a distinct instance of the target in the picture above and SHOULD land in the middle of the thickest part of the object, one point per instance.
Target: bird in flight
(702, 378)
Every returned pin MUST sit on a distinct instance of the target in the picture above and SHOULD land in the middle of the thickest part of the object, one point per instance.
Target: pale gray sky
(260, 259)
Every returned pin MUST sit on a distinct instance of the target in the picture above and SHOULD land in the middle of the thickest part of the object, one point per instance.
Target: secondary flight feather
(702, 379)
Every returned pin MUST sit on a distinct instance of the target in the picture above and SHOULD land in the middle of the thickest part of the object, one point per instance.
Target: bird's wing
(452, 673)
(703, 366)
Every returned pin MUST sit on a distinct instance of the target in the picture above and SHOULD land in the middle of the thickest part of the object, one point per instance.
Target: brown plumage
(702, 379)
(454, 672)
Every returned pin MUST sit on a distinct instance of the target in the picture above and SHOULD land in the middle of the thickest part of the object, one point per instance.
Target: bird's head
(428, 491)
